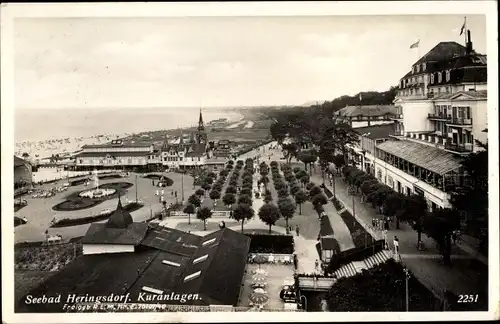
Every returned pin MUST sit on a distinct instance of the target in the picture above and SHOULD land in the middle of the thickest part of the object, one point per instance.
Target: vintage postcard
(251, 161)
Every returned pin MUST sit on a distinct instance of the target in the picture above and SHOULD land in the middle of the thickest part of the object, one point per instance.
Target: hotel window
(418, 68)
(192, 276)
(129, 161)
(432, 78)
(447, 75)
(440, 77)
(424, 66)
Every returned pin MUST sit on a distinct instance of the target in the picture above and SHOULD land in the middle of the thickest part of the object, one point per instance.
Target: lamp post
(407, 276)
(136, 200)
(182, 187)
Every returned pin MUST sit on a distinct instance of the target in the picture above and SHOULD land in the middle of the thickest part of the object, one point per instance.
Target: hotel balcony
(434, 116)
(460, 122)
(459, 148)
(396, 117)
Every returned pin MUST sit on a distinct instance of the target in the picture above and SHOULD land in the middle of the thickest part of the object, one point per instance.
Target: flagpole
(465, 30)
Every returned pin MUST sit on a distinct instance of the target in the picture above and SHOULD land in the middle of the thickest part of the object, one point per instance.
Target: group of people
(297, 230)
(381, 223)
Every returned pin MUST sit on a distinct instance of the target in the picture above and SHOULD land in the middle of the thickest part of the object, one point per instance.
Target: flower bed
(279, 244)
(50, 258)
(66, 222)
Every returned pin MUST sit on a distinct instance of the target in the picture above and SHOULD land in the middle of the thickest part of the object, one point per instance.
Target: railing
(438, 116)
(460, 148)
(460, 121)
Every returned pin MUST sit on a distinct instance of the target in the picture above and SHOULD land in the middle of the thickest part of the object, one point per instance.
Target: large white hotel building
(441, 111)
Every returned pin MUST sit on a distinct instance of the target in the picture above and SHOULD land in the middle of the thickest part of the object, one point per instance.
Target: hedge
(277, 244)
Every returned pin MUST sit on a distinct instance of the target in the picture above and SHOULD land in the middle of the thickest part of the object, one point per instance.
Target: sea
(48, 124)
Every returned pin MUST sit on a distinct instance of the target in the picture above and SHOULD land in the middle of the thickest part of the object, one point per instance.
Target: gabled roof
(377, 131)
(443, 51)
(369, 110)
(480, 94)
(425, 156)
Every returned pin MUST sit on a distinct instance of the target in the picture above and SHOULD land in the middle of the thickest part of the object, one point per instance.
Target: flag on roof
(463, 28)
(415, 45)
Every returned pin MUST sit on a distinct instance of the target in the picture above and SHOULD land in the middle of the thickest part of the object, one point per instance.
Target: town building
(116, 154)
(366, 115)
(222, 149)
(151, 264)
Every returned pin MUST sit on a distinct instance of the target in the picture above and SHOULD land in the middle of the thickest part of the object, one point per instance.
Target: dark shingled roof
(369, 110)
(119, 229)
(172, 240)
(109, 145)
(328, 243)
(443, 51)
(219, 281)
(120, 218)
(377, 131)
(481, 94)
(428, 157)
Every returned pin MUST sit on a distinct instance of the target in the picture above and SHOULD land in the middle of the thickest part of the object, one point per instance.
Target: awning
(425, 156)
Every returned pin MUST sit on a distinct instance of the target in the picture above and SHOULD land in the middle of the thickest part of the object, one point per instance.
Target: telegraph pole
(136, 200)
(407, 276)
(182, 187)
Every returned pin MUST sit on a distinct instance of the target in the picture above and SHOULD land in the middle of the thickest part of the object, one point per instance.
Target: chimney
(468, 46)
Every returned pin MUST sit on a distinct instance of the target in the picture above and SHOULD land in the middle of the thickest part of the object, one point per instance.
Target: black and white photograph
(271, 158)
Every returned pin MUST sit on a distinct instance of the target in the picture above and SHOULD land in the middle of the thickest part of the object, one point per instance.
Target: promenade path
(464, 275)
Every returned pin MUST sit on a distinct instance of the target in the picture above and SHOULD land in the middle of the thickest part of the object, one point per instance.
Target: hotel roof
(427, 157)
(214, 270)
(19, 162)
(112, 154)
(369, 110)
(443, 51)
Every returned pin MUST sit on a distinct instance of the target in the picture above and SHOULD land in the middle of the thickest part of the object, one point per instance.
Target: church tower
(201, 135)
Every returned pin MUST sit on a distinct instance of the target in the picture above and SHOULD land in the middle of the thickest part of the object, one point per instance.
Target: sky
(219, 61)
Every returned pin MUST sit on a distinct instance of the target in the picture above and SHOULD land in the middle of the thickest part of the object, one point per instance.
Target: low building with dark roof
(167, 266)
(367, 115)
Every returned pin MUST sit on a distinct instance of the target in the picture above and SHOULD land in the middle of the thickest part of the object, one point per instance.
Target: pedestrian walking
(162, 192)
(316, 265)
(386, 224)
(175, 194)
(396, 245)
(297, 230)
(152, 182)
(157, 192)
(386, 244)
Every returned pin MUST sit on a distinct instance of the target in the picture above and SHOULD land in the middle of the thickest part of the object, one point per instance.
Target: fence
(278, 258)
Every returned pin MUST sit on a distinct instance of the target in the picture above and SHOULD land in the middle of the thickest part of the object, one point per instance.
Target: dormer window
(192, 276)
(447, 75)
(200, 259)
(412, 69)
(440, 77)
(209, 242)
(418, 68)
(432, 78)
(174, 264)
(424, 67)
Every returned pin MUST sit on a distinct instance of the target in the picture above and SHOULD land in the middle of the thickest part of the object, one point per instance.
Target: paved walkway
(425, 265)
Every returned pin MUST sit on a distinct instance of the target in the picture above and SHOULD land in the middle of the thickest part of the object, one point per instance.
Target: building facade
(441, 110)
(117, 154)
(23, 175)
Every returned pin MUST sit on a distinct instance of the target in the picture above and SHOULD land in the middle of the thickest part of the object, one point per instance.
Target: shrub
(314, 191)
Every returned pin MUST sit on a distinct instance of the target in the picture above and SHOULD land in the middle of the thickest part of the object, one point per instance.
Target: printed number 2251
(467, 298)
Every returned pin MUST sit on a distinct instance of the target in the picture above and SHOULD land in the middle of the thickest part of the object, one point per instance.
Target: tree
(265, 180)
(203, 214)
(194, 200)
(244, 199)
(300, 198)
(246, 192)
(282, 193)
(229, 199)
(231, 189)
(319, 200)
(290, 150)
(189, 209)
(413, 211)
(286, 208)
(206, 186)
(200, 192)
(214, 195)
(440, 225)
(243, 212)
(308, 157)
(315, 190)
(304, 179)
(268, 198)
(269, 214)
(339, 161)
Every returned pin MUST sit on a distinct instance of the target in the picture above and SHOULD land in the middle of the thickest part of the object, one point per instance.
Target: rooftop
(443, 51)
(19, 162)
(117, 144)
(481, 94)
(425, 156)
(377, 131)
(213, 268)
(369, 110)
